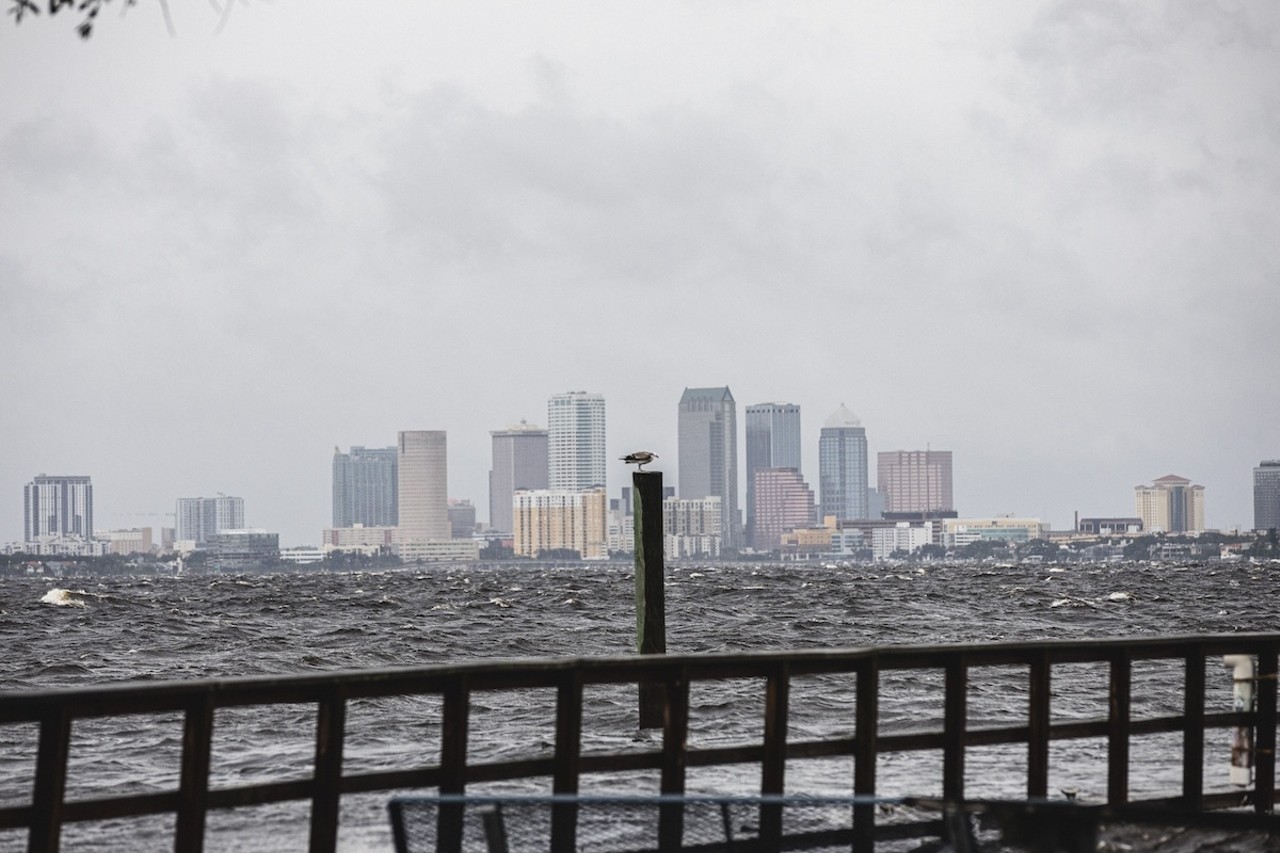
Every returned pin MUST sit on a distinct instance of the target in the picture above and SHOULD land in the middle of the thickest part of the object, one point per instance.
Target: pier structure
(1039, 678)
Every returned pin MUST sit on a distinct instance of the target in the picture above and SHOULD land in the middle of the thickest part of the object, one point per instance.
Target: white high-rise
(423, 475)
(56, 506)
(575, 441)
(197, 519)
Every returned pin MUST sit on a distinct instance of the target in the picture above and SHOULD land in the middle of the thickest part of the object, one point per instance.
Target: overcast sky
(1041, 235)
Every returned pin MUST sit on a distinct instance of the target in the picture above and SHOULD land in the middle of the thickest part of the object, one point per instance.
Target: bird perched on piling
(639, 458)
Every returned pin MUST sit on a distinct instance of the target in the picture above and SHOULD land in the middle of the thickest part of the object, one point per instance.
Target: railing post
(453, 764)
(193, 788)
(326, 794)
(773, 769)
(564, 816)
(1118, 728)
(1264, 766)
(954, 722)
(864, 757)
(1038, 720)
(50, 782)
(675, 737)
(1193, 730)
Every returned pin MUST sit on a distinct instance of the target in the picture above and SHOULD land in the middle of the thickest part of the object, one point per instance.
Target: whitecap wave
(62, 598)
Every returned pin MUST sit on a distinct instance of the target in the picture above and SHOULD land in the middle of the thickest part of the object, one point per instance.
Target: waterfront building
(958, 532)
(422, 479)
(691, 527)
(810, 541)
(558, 520)
(842, 467)
(575, 442)
(1109, 526)
(915, 480)
(62, 546)
(135, 540)
(365, 487)
(237, 550)
(357, 537)
(1170, 504)
(773, 441)
(1266, 495)
(197, 519)
(57, 507)
(708, 453)
(783, 502)
(439, 551)
(520, 462)
(902, 538)
(302, 555)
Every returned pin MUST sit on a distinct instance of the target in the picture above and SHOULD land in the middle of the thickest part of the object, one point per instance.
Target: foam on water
(63, 598)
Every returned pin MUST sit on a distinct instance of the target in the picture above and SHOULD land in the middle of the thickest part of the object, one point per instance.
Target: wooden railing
(56, 711)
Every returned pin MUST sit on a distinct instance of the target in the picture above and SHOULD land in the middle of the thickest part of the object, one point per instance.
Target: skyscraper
(1266, 495)
(423, 487)
(519, 462)
(365, 487)
(57, 507)
(1170, 504)
(198, 519)
(915, 480)
(773, 441)
(708, 451)
(842, 467)
(575, 441)
(783, 502)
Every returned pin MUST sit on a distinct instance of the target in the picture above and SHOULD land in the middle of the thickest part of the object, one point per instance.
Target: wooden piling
(651, 610)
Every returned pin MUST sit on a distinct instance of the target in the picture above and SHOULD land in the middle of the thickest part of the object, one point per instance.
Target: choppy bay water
(83, 631)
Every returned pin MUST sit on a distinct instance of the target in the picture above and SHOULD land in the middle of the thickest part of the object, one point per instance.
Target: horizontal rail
(456, 685)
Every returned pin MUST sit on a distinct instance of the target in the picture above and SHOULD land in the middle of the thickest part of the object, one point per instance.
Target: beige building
(439, 551)
(367, 540)
(553, 519)
(915, 480)
(1170, 504)
(423, 474)
(125, 542)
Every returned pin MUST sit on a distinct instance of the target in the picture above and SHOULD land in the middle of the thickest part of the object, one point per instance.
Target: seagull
(640, 458)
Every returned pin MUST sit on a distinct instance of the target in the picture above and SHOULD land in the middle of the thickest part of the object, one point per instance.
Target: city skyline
(987, 228)
(622, 476)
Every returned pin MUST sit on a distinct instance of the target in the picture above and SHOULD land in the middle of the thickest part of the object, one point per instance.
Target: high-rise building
(842, 467)
(462, 519)
(708, 451)
(519, 462)
(1266, 495)
(915, 480)
(365, 488)
(575, 441)
(1170, 504)
(783, 502)
(557, 520)
(198, 519)
(424, 484)
(691, 527)
(773, 441)
(57, 508)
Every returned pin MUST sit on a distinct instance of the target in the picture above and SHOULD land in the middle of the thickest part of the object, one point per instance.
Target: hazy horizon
(1041, 236)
